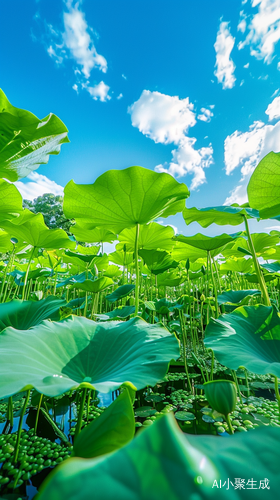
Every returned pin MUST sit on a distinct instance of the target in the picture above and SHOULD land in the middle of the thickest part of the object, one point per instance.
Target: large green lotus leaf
(237, 265)
(94, 286)
(236, 296)
(91, 234)
(55, 357)
(253, 278)
(5, 242)
(120, 293)
(113, 429)
(272, 267)
(112, 272)
(264, 186)
(207, 243)
(249, 336)
(163, 463)
(182, 252)
(152, 236)
(25, 141)
(84, 257)
(170, 279)
(35, 232)
(119, 313)
(261, 241)
(121, 258)
(158, 261)
(10, 199)
(23, 314)
(119, 199)
(233, 215)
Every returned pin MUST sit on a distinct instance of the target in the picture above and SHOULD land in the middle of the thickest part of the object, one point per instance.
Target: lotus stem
(20, 425)
(214, 284)
(81, 410)
(27, 272)
(37, 414)
(231, 431)
(259, 274)
(10, 414)
(136, 270)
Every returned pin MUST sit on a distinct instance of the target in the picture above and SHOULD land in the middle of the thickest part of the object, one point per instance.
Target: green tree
(50, 206)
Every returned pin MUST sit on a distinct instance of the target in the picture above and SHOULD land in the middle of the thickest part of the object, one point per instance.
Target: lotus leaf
(113, 429)
(233, 215)
(55, 357)
(234, 297)
(152, 236)
(120, 292)
(22, 315)
(121, 199)
(249, 336)
(183, 466)
(25, 141)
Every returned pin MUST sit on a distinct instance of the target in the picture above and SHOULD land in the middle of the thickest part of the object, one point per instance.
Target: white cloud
(273, 109)
(205, 115)
(161, 117)
(37, 186)
(224, 64)
(78, 41)
(187, 160)
(246, 149)
(120, 96)
(278, 66)
(242, 23)
(99, 92)
(54, 55)
(264, 30)
(124, 76)
(246, 65)
(166, 119)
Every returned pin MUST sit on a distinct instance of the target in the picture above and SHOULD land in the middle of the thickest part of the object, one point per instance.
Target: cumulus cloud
(99, 92)
(224, 64)
(246, 149)
(166, 119)
(264, 29)
(205, 115)
(273, 109)
(38, 185)
(162, 118)
(188, 160)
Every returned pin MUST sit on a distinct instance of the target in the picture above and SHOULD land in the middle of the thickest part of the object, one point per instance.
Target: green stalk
(27, 272)
(237, 386)
(212, 364)
(231, 431)
(20, 425)
(10, 414)
(81, 410)
(214, 284)
(259, 274)
(37, 414)
(136, 270)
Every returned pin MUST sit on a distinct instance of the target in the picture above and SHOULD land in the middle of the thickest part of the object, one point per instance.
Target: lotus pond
(147, 373)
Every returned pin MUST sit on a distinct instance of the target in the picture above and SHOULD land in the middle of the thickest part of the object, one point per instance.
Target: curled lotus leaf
(163, 462)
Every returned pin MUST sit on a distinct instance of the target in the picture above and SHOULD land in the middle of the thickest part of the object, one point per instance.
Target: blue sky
(190, 88)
